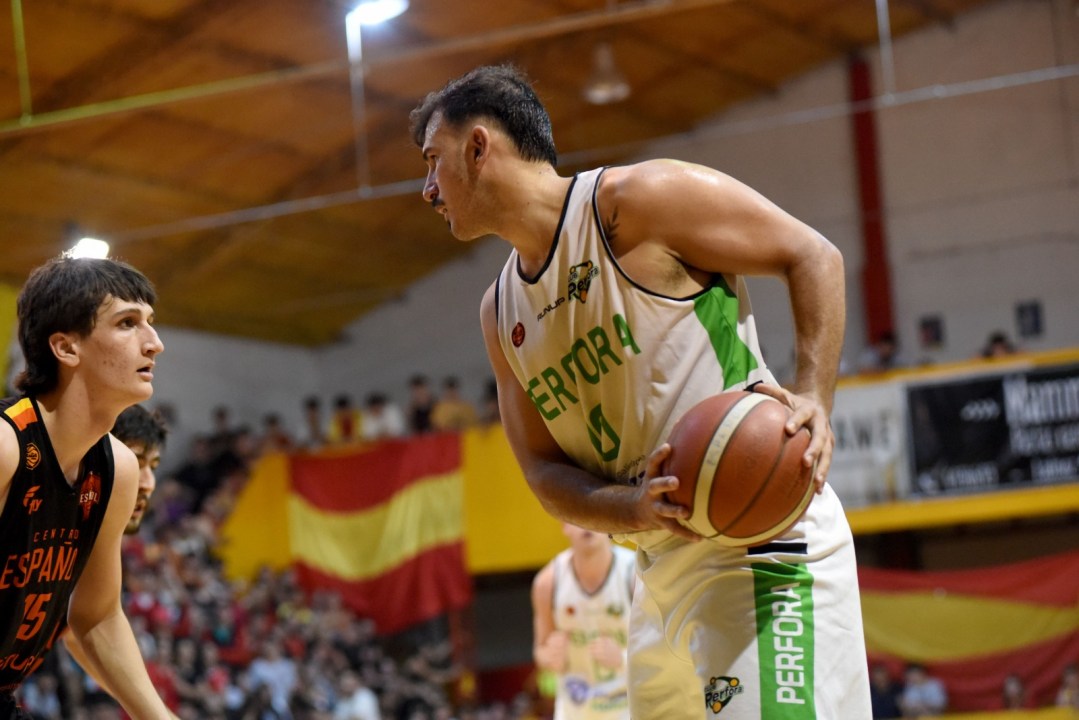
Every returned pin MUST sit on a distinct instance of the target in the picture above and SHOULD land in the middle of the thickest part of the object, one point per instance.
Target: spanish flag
(382, 525)
(972, 628)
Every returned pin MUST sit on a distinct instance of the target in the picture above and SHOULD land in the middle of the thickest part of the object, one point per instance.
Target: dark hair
(137, 424)
(64, 295)
(501, 93)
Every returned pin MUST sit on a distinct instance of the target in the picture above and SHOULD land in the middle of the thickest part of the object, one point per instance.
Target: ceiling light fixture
(607, 83)
(373, 12)
(89, 247)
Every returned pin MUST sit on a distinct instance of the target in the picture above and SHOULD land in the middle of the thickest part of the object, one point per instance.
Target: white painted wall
(981, 193)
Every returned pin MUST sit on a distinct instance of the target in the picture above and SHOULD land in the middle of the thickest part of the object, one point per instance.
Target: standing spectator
(275, 438)
(221, 435)
(276, 672)
(346, 423)
(1014, 693)
(421, 401)
(356, 702)
(1068, 695)
(923, 694)
(313, 436)
(489, 412)
(452, 412)
(884, 693)
(382, 418)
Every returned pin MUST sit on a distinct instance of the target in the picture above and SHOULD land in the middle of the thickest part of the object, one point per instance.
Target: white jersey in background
(587, 690)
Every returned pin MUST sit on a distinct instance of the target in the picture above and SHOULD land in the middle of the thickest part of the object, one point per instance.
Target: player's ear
(479, 145)
(65, 346)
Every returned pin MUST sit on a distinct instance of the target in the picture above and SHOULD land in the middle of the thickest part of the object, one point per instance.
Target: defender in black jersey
(67, 487)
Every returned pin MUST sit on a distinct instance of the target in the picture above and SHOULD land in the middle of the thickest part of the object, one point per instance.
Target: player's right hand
(554, 652)
(654, 508)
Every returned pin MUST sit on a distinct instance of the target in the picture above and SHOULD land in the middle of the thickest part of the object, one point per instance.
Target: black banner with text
(1016, 429)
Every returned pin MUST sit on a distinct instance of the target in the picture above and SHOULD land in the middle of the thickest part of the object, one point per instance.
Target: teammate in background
(580, 615)
(144, 433)
(621, 306)
(67, 487)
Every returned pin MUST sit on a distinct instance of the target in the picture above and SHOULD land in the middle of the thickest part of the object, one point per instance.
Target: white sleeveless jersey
(588, 690)
(609, 365)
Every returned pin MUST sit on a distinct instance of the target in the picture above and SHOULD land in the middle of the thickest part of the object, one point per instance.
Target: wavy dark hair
(64, 295)
(136, 424)
(501, 93)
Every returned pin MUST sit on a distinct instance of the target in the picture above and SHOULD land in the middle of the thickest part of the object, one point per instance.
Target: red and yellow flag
(382, 525)
(972, 628)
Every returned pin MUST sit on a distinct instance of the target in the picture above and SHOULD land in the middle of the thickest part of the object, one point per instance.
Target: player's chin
(133, 524)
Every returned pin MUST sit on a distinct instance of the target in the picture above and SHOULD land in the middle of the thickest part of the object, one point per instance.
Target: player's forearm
(576, 496)
(111, 655)
(818, 303)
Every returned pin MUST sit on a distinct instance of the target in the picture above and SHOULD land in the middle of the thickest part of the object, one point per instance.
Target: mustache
(437, 203)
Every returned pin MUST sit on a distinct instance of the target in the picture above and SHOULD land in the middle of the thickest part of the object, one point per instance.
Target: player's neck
(592, 567)
(74, 424)
(533, 198)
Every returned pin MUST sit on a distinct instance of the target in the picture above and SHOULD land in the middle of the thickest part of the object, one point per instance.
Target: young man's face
(448, 187)
(149, 458)
(117, 357)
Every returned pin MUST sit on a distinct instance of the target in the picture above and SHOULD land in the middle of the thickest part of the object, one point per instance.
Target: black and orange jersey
(47, 530)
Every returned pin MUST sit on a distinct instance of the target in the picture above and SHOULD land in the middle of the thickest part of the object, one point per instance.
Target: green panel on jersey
(785, 640)
(717, 311)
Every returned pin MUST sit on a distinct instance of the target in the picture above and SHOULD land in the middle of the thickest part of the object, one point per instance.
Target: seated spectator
(452, 412)
(884, 693)
(346, 423)
(1068, 695)
(998, 345)
(882, 355)
(421, 401)
(923, 694)
(382, 418)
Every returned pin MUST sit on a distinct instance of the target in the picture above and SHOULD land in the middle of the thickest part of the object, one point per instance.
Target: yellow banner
(8, 324)
(256, 532)
(506, 528)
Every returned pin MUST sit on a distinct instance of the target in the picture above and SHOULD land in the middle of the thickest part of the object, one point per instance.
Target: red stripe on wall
(432, 583)
(347, 483)
(976, 685)
(1047, 581)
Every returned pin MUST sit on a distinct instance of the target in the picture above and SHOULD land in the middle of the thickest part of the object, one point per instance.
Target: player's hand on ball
(656, 511)
(606, 652)
(810, 414)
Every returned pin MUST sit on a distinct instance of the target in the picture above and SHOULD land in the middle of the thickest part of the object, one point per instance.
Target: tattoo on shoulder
(610, 225)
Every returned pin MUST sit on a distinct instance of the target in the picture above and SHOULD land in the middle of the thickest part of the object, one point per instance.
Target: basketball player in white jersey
(580, 617)
(622, 305)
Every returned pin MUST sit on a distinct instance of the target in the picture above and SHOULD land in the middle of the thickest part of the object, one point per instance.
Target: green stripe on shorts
(785, 640)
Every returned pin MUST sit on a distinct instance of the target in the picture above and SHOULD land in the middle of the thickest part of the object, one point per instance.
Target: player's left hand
(606, 652)
(808, 412)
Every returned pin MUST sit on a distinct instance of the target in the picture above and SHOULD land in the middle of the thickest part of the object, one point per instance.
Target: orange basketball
(739, 472)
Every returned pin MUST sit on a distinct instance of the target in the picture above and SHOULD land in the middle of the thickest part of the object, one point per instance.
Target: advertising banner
(1008, 430)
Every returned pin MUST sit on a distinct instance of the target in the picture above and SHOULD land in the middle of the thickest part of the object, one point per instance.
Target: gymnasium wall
(980, 188)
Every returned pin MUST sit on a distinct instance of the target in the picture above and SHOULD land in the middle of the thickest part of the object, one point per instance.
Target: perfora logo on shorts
(719, 692)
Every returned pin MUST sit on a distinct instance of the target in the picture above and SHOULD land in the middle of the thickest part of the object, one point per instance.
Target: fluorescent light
(373, 12)
(89, 247)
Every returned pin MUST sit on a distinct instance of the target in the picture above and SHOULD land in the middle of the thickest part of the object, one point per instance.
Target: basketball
(739, 472)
